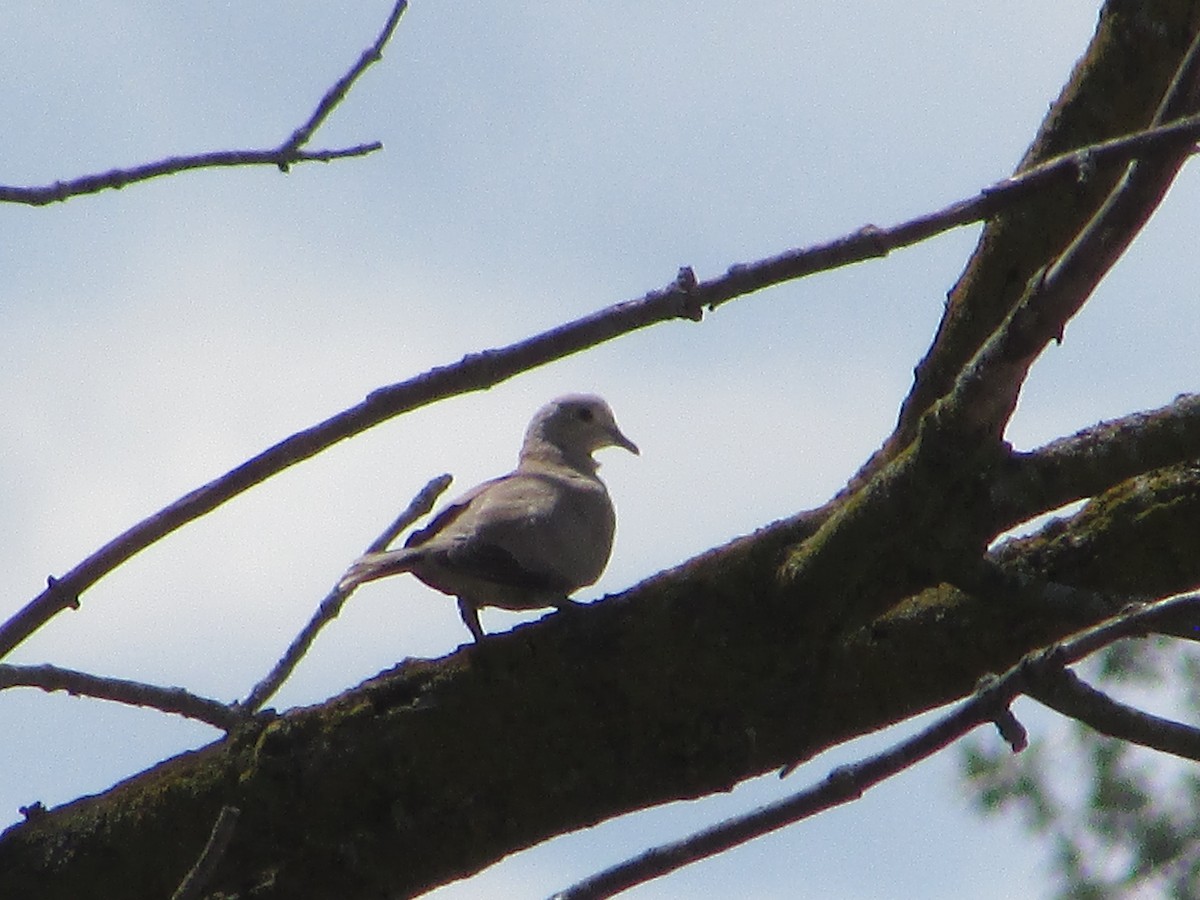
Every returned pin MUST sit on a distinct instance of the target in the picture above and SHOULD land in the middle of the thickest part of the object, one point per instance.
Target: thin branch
(1137, 621)
(990, 703)
(285, 155)
(134, 693)
(1063, 691)
(870, 242)
(1095, 459)
(119, 178)
(337, 93)
(684, 298)
(419, 506)
(335, 599)
(210, 857)
(183, 702)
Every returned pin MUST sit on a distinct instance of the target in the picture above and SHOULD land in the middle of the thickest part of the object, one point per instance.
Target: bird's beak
(619, 440)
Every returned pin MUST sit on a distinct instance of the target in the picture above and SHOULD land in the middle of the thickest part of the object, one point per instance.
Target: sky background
(542, 160)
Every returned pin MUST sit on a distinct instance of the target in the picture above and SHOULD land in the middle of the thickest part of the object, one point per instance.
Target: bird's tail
(378, 565)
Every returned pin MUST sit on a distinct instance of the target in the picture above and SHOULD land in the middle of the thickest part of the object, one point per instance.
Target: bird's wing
(505, 531)
(391, 562)
(493, 563)
(447, 516)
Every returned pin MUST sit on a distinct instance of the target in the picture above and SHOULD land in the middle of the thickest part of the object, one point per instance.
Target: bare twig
(990, 703)
(283, 156)
(170, 700)
(1137, 621)
(335, 599)
(419, 506)
(1063, 691)
(870, 242)
(684, 298)
(182, 702)
(116, 179)
(337, 93)
(210, 857)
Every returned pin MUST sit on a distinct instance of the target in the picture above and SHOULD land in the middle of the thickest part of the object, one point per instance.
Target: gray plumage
(528, 539)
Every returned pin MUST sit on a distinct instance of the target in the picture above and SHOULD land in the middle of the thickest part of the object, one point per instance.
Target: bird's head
(576, 426)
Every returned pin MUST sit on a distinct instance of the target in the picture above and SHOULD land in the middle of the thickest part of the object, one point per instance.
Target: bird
(525, 540)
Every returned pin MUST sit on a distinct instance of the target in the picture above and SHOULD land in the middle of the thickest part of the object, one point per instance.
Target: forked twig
(284, 156)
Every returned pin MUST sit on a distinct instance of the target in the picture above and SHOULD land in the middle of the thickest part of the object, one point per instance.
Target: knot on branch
(874, 239)
(844, 781)
(33, 811)
(65, 598)
(1049, 661)
(686, 299)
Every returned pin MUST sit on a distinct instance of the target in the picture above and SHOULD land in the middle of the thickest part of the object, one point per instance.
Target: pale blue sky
(542, 160)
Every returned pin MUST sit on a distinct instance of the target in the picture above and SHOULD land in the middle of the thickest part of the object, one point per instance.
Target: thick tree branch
(1095, 459)
(843, 785)
(1040, 674)
(675, 688)
(985, 394)
(284, 156)
(959, 441)
(1150, 516)
(1098, 102)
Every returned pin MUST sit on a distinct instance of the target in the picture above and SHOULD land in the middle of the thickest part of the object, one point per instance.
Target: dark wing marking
(493, 563)
(446, 516)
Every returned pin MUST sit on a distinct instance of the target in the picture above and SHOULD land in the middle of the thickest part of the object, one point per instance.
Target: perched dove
(525, 540)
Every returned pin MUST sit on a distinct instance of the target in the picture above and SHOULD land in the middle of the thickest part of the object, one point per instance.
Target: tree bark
(811, 631)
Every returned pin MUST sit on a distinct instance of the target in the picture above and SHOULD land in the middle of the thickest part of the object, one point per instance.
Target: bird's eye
(585, 414)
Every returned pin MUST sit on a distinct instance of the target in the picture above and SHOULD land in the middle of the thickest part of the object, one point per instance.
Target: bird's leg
(470, 617)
